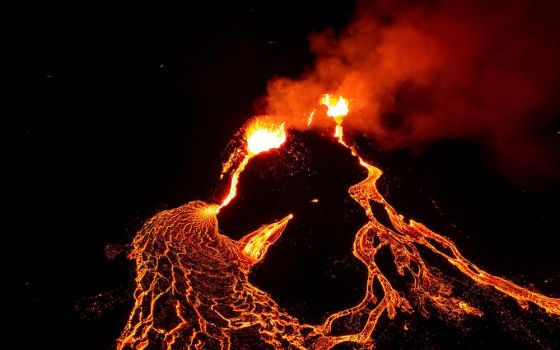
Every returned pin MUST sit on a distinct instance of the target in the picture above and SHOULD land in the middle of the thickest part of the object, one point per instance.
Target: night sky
(123, 111)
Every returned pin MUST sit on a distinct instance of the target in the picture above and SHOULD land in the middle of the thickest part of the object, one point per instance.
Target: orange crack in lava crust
(192, 287)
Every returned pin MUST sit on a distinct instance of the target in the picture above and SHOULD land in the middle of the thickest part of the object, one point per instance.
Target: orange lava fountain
(192, 286)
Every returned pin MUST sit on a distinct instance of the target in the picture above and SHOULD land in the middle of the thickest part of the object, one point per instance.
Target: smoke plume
(419, 72)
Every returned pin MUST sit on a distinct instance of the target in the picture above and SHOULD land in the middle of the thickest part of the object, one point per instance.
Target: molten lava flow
(192, 287)
(261, 135)
(256, 244)
(402, 239)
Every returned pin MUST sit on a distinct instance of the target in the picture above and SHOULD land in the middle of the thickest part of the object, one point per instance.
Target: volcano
(193, 287)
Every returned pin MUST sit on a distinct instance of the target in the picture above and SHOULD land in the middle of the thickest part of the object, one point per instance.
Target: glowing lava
(336, 110)
(403, 239)
(192, 286)
(261, 135)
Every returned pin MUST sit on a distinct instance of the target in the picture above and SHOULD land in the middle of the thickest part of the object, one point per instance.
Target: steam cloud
(418, 72)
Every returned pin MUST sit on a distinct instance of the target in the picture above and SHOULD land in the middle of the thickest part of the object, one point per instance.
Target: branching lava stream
(192, 286)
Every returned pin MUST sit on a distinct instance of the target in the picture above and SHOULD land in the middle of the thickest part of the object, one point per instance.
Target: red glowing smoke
(417, 73)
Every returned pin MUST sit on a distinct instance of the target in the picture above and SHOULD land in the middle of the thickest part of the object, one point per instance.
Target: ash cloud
(419, 72)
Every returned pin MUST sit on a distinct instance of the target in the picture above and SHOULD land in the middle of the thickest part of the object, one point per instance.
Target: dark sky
(126, 110)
